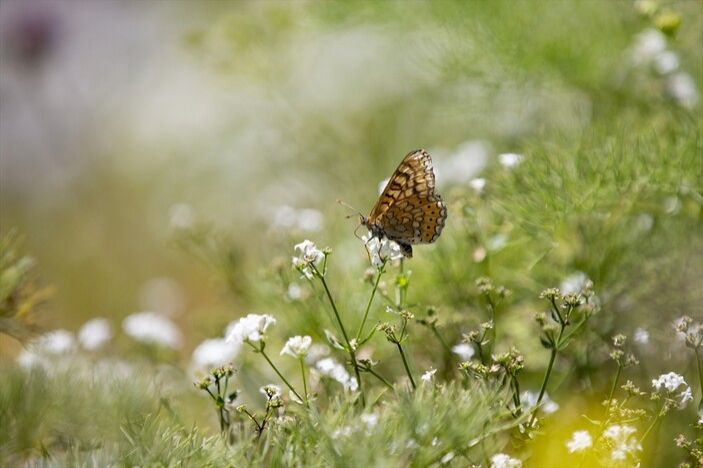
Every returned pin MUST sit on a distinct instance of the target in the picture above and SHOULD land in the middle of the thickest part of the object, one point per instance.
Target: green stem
(407, 368)
(263, 353)
(516, 396)
(651, 426)
(700, 373)
(368, 306)
(305, 384)
(433, 327)
(352, 353)
(385, 382)
(615, 383)
(547, 374)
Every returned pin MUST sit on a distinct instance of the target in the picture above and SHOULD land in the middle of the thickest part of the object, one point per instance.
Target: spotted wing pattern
(408, 211)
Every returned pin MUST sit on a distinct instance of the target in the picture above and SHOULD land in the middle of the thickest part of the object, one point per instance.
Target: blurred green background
(157, 156)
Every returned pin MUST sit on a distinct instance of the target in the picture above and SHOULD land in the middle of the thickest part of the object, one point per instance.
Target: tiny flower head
(501, 460)
(428, 375)
(297, 346)
(580, 440)
(251, 328)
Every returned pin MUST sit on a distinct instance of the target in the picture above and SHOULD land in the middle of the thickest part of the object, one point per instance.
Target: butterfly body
(409, 211)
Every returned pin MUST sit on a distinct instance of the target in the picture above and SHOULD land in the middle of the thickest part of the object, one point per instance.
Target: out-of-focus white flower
(297, 346)
(344, 431)
(150, 327)
(181, 216)
(648, 44)
(317, 352)
(463, 165)
(382, 185)
(623, 442)
(94, 333)
(308, 254)
(682, 89)
(55, 342)
(464, 350)
(641, 336)
(580, 440)
(644, 222)
(214, 353)
(528, 400)
(497, 242)
(251, 328)
(449, 456)
(428, 375)
(309, 220)
(295, 292)
(501, 460)
(509, 160)
(666, 62)
(381, 250)
(478, 184)
(671, 382)
(574, 283)
(370, 419)
(336, 371)
(162, 295)
(284, 216)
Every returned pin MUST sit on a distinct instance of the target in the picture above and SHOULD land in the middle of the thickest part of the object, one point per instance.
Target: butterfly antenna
(347, 205)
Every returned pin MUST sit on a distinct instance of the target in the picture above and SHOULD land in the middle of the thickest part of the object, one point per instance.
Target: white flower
(271, 391)
(574, 283)
(447, 458)
(648, 44)
(317, 352)
(497, 242)
(297, 346)
(623, 442)
(460, 167)
(641, 336)
(150, 327)
(682, 89)
(94, 333)
(478, 184)
(429, 375)
(528, 400)
(308, 254)
(382, 185)
(666, 62)
(670, 381)
(509, 160)
(55, 342)
(381, 250)
(686, 396)
(336, 371)
(284, 216)
(181, 216)
(214, 352)
(250, 328)
(580, 440)
(464, 350)
(370, 419)
(501, 460)
(295, 292)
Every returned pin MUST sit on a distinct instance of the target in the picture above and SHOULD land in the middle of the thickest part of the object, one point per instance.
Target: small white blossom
(429, 375)
(381, 250)
(153, 328)
(271, 391)
(641, 336)
(317, 352)
(624, 444)
(497, 242)
(666, 62)
(449, 456)
(309, 220)
(464, 350)
(295, 292)
(214, 352)
(509, 160)
(682, 89)
(297, 346)
(580, 440)
(308, 254)
(463, 165)
(501, 460)
(331, 368)
(94, 333)
(670, 381)
(249, 329)
(370, 419)
(528, 400)
(686, 396)
(55, 342)
(478, 184)
(574, 283)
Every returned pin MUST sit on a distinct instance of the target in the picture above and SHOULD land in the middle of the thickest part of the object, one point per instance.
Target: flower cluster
(381, 250)
(307, 258)
(668, 385)
(297, 346)
(250, 329)
(331, 368)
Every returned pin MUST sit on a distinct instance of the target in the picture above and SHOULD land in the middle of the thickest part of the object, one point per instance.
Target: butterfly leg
(406, 249)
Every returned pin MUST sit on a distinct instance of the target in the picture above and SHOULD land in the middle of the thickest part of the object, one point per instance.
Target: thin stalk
(441, 340)
(700, 372)
(385, 382)
(651, 426)
(368, 305)
(305, 384)
(615, 383)
(352, 353)
(405, 363)
(263, 353)
(547, 374)
(516, 396)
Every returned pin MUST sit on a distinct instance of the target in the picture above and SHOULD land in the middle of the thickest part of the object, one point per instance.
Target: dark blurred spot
(31, 36)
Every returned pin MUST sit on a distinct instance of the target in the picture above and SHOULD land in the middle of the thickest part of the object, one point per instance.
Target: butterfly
(409, 211)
